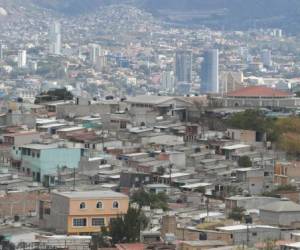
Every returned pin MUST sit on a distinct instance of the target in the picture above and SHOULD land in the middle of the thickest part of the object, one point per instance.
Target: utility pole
(207, 206)
(170, 172)
(247, 234)
(74, 180)
(248, 220)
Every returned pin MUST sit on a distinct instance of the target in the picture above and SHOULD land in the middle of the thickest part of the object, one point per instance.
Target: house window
(79, 222)
(99, 205)
(98, 222)
(254, 234)
(82, 205)
(115, 204)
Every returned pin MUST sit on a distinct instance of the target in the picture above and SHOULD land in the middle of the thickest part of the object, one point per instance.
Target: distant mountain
(232, 13)
(74, 7)
(227, 14)
(240, 8)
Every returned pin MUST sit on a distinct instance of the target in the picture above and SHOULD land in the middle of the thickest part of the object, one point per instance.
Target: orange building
(82, 212)
(284, 172)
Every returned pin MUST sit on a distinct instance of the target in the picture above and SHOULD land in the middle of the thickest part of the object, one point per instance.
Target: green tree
(281, 188)
(245, 162)
(252, 119)
(269, 245)
(161, 170)
(297, 94)
(117, 230)
(237, 214)
(6, 244)
(54, 95)
(286, 187)
(288, 130)
(143, 198)
(127, 229)
(100, 240)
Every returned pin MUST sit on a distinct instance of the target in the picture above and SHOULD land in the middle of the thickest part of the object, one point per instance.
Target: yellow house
(83, 212)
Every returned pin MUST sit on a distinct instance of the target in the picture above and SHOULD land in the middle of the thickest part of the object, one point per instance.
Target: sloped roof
(258, 91)
(282, 206)
(155, 99)
(149, 99)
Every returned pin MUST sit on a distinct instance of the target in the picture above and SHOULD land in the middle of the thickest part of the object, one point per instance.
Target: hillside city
(120, 130)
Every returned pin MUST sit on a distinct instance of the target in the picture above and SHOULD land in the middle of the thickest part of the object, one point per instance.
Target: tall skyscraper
(168, 81)
(210, 72)
(55, 39)
(101, 62)
(95, 52)
(267, 58)
(184, 66)
(22, 58)
(1, 51)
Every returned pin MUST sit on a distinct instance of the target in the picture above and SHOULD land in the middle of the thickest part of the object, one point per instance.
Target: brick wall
(20, 203)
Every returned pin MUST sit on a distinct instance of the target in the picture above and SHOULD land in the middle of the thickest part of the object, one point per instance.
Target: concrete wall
(20, 203)
(287, 219)
(58, 213)
(248, 203)
(13, 119)
(255, 235)
(261, 102)
(246, 136)
(63, 111)
(21, 139)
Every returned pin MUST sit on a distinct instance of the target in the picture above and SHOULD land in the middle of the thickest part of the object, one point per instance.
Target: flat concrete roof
(175, 175)
(41, 146)
(70, 129)
(244, 227)
(94, 194)
(236, 146)
(196, 185)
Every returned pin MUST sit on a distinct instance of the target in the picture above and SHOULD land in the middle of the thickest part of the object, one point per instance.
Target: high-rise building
(1, 51)
(210, 72)
(167, 81)
(184, 66)
(95, 52)
(230, 81)
(245, 55)
(33, 65)
(55, 39)
(101, 62)
(22, 58)
(277, 33)
(267, 58)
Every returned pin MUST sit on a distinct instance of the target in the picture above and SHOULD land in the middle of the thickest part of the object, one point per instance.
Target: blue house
(42, 160)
